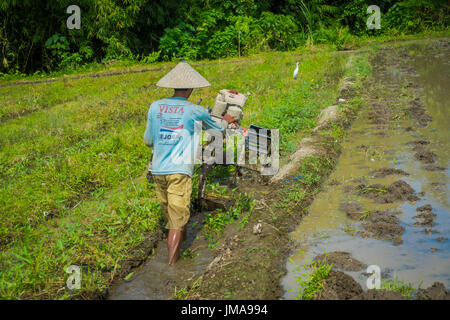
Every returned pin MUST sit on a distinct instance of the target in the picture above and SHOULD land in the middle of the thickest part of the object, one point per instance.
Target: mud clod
(383, 172)
(339, 286)
(383, 225)
(429, 231)
(436, 292)
(417, 112)
(425, 217)
(397, 191)
(424, 155)
(340, 260)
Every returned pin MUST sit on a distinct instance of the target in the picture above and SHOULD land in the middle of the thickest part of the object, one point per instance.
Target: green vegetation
(400, 286)
(311, 281)
(72, 158)
(34, 38)
(216, 222)
(180, 294)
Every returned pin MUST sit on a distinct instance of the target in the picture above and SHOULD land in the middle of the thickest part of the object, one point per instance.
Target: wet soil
(155, 279)
(425, 216)
(339, 286)
(436, 292)
(380, 114)
(354, 210)
(251, 265)
(383, 172)
(341, 260)
(381, 294)
(418, 112)
(424, 155)
(366, 211)
(435, 168)
(397, 191)
(383, 225)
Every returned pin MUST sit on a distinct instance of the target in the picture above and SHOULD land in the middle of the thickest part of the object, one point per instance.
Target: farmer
(170, 131)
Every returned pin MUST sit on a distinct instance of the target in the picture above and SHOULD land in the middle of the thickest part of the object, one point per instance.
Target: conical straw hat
(183, 76)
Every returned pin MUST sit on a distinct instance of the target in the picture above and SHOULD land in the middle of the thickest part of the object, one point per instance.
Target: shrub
(415, 16)
(179, 42)
(337, 36)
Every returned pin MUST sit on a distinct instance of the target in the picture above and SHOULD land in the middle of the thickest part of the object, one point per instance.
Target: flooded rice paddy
(387, 201)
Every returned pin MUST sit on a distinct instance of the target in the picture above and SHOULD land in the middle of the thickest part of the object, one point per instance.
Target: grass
(72, 163)
(180, 294)
(311, 281)
(400, 286)
(217, 221)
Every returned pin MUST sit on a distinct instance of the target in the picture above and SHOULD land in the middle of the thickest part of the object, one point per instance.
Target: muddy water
(156, 280)
(422, 255)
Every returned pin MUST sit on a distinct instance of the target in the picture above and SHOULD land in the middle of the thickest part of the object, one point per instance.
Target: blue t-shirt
(170, 130)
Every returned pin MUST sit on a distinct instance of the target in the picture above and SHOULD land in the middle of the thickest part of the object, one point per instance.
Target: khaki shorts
(174, 194)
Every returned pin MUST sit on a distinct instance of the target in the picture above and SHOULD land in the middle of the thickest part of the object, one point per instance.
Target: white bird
(296, 72)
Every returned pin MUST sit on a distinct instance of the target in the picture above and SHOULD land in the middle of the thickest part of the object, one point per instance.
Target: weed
(189, 254)
(180, 294)
(311, 281)
(365, 215)
(400, 286)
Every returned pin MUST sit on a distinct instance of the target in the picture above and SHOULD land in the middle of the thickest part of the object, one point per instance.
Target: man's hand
(229, 118)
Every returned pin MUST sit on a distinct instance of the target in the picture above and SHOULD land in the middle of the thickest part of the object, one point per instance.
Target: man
(170, 131)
